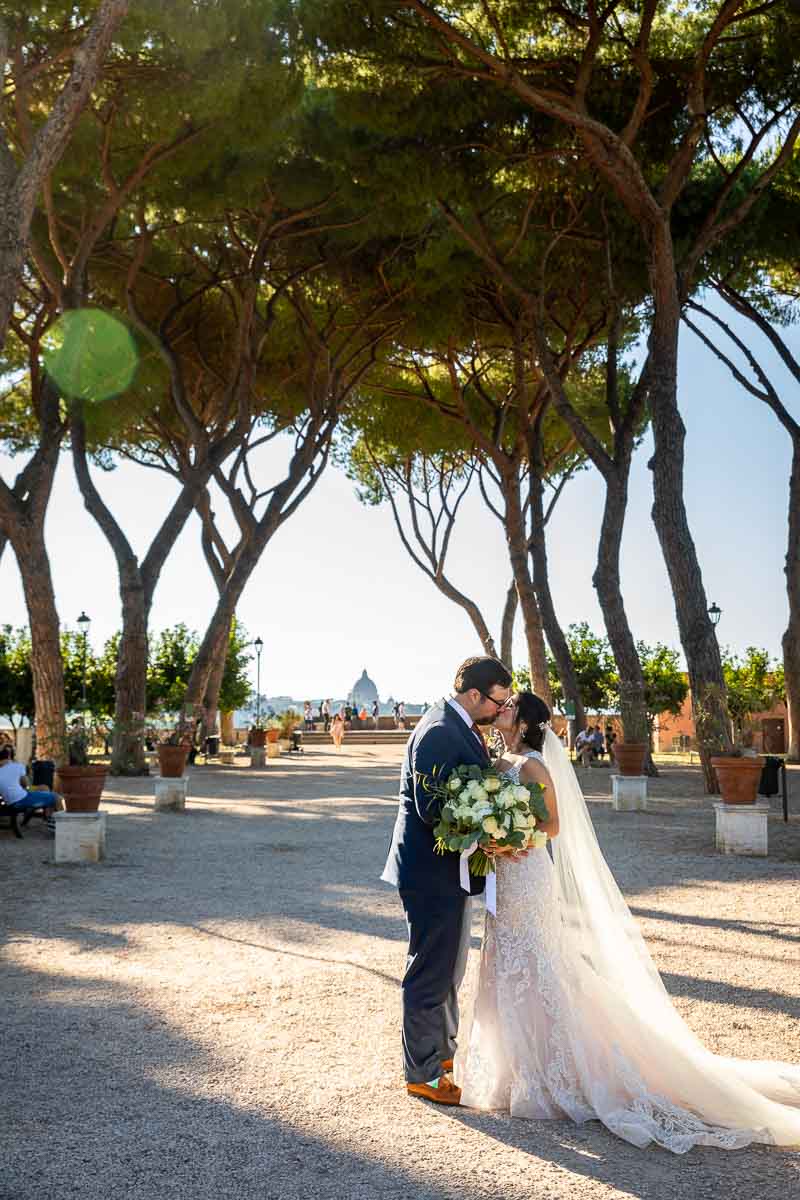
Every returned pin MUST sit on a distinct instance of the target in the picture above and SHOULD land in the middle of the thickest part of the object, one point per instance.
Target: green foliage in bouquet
(479, 806)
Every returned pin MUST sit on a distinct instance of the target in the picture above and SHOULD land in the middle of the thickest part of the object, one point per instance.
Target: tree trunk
(12, 258)
(46, 664)
(472, 610)
(199, 680)
(517, 541)
(669, 516)
(127, 754)
(541, 582)
(20, 186)
(791, 638)
(211, 702)
(632, 704)
(507, 627)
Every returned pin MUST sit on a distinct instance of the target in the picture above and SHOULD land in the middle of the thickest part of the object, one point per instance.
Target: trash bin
(768, 784)
(212, 746)
(42, 773)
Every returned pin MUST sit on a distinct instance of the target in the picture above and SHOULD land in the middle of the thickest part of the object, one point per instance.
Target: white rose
(538, 840)
(492, 784)
(505, 798)
(520, 820)
(469, 787)
(479, 793)
(481, 810)
(522, 793)
(455, 784)
(490, 825)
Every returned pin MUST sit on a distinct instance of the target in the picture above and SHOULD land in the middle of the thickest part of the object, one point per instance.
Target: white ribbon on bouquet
(490, 895)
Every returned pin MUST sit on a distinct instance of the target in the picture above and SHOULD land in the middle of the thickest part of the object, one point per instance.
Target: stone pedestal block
(170, 794)
(742, 828)
(629, 793)
(258, 756)
(273, 750)
(80, 837)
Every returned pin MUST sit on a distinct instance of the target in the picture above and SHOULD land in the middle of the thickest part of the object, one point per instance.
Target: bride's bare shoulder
(535, 771)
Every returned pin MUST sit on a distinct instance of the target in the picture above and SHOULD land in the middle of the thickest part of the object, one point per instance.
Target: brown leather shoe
(447, 1064)
(445, 1093)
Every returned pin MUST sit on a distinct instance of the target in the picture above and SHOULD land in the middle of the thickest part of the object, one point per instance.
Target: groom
(436, 908)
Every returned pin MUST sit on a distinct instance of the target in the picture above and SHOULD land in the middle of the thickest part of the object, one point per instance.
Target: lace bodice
(513, 773)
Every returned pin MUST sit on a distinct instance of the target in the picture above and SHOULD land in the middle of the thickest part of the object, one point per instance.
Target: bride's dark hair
(532, 713)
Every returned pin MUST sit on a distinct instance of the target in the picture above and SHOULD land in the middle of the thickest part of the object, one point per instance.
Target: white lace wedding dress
(571, 1018)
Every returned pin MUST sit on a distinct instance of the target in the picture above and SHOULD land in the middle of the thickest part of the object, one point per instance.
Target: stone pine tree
(34, 45)
(760, 286)
(649, 96)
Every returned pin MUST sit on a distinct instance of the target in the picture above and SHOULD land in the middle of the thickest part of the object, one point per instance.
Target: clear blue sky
(335, 592)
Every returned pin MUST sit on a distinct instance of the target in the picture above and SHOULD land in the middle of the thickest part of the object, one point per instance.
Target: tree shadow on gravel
(594, 1153)
(781, 931)
(120, 1087)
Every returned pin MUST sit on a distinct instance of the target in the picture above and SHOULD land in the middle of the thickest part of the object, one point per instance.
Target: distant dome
(364, 690)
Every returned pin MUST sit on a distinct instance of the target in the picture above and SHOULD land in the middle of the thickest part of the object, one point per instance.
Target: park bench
(13, 814)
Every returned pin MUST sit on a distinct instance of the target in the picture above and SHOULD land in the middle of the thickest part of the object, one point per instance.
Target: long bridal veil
(644, 1072)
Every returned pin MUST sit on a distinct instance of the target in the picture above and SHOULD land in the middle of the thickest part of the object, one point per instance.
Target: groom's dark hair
(482, 673)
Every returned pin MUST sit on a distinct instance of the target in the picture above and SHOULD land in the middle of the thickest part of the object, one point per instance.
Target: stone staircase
(360, 737)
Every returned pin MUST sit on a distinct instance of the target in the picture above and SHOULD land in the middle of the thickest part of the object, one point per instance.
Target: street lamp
(715, 612)
(83, 625)
(259, 645)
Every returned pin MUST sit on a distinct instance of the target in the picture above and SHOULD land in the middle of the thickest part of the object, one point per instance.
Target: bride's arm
(536, 772)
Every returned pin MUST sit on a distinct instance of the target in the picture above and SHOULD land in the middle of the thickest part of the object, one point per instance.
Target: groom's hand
(512, 852)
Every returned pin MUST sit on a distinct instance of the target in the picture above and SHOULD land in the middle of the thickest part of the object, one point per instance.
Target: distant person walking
(326, 714)
(337, 729)
(348, 716)
(308, 717)
(376, 712)
(401, 714)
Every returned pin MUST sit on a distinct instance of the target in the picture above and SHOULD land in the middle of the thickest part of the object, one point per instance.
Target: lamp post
(715, 612)
(259, 645)
(83, 625)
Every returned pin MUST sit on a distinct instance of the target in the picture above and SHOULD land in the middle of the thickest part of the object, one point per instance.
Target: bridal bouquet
(481, 809)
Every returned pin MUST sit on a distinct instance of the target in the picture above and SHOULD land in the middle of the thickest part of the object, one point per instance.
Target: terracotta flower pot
(273, 735)
(258, 737)
(172, 761)
(630, 757)
(738, 777)
(81, 787)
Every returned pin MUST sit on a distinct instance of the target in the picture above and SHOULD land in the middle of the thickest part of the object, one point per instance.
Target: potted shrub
(738, 769)
(173, 750)
(80, 782)
(288, 722)
(258, 734)
(272, 730)
(630, 757)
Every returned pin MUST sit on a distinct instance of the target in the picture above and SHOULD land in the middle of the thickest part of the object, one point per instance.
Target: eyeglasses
(505, 704)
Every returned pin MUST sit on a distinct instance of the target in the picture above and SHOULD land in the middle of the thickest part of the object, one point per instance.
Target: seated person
(14, 786)
(584, 748)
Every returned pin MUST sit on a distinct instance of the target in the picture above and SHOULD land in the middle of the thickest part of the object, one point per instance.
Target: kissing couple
(571, 1018)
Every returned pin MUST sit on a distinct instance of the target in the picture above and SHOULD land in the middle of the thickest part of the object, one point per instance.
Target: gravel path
(213, 1012)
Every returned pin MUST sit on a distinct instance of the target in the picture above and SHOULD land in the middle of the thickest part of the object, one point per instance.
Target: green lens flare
(90, 355)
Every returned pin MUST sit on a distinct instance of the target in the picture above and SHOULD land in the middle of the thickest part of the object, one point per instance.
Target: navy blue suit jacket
(444, 741)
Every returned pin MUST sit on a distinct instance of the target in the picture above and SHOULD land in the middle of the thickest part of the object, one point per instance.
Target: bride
(571, 1017)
